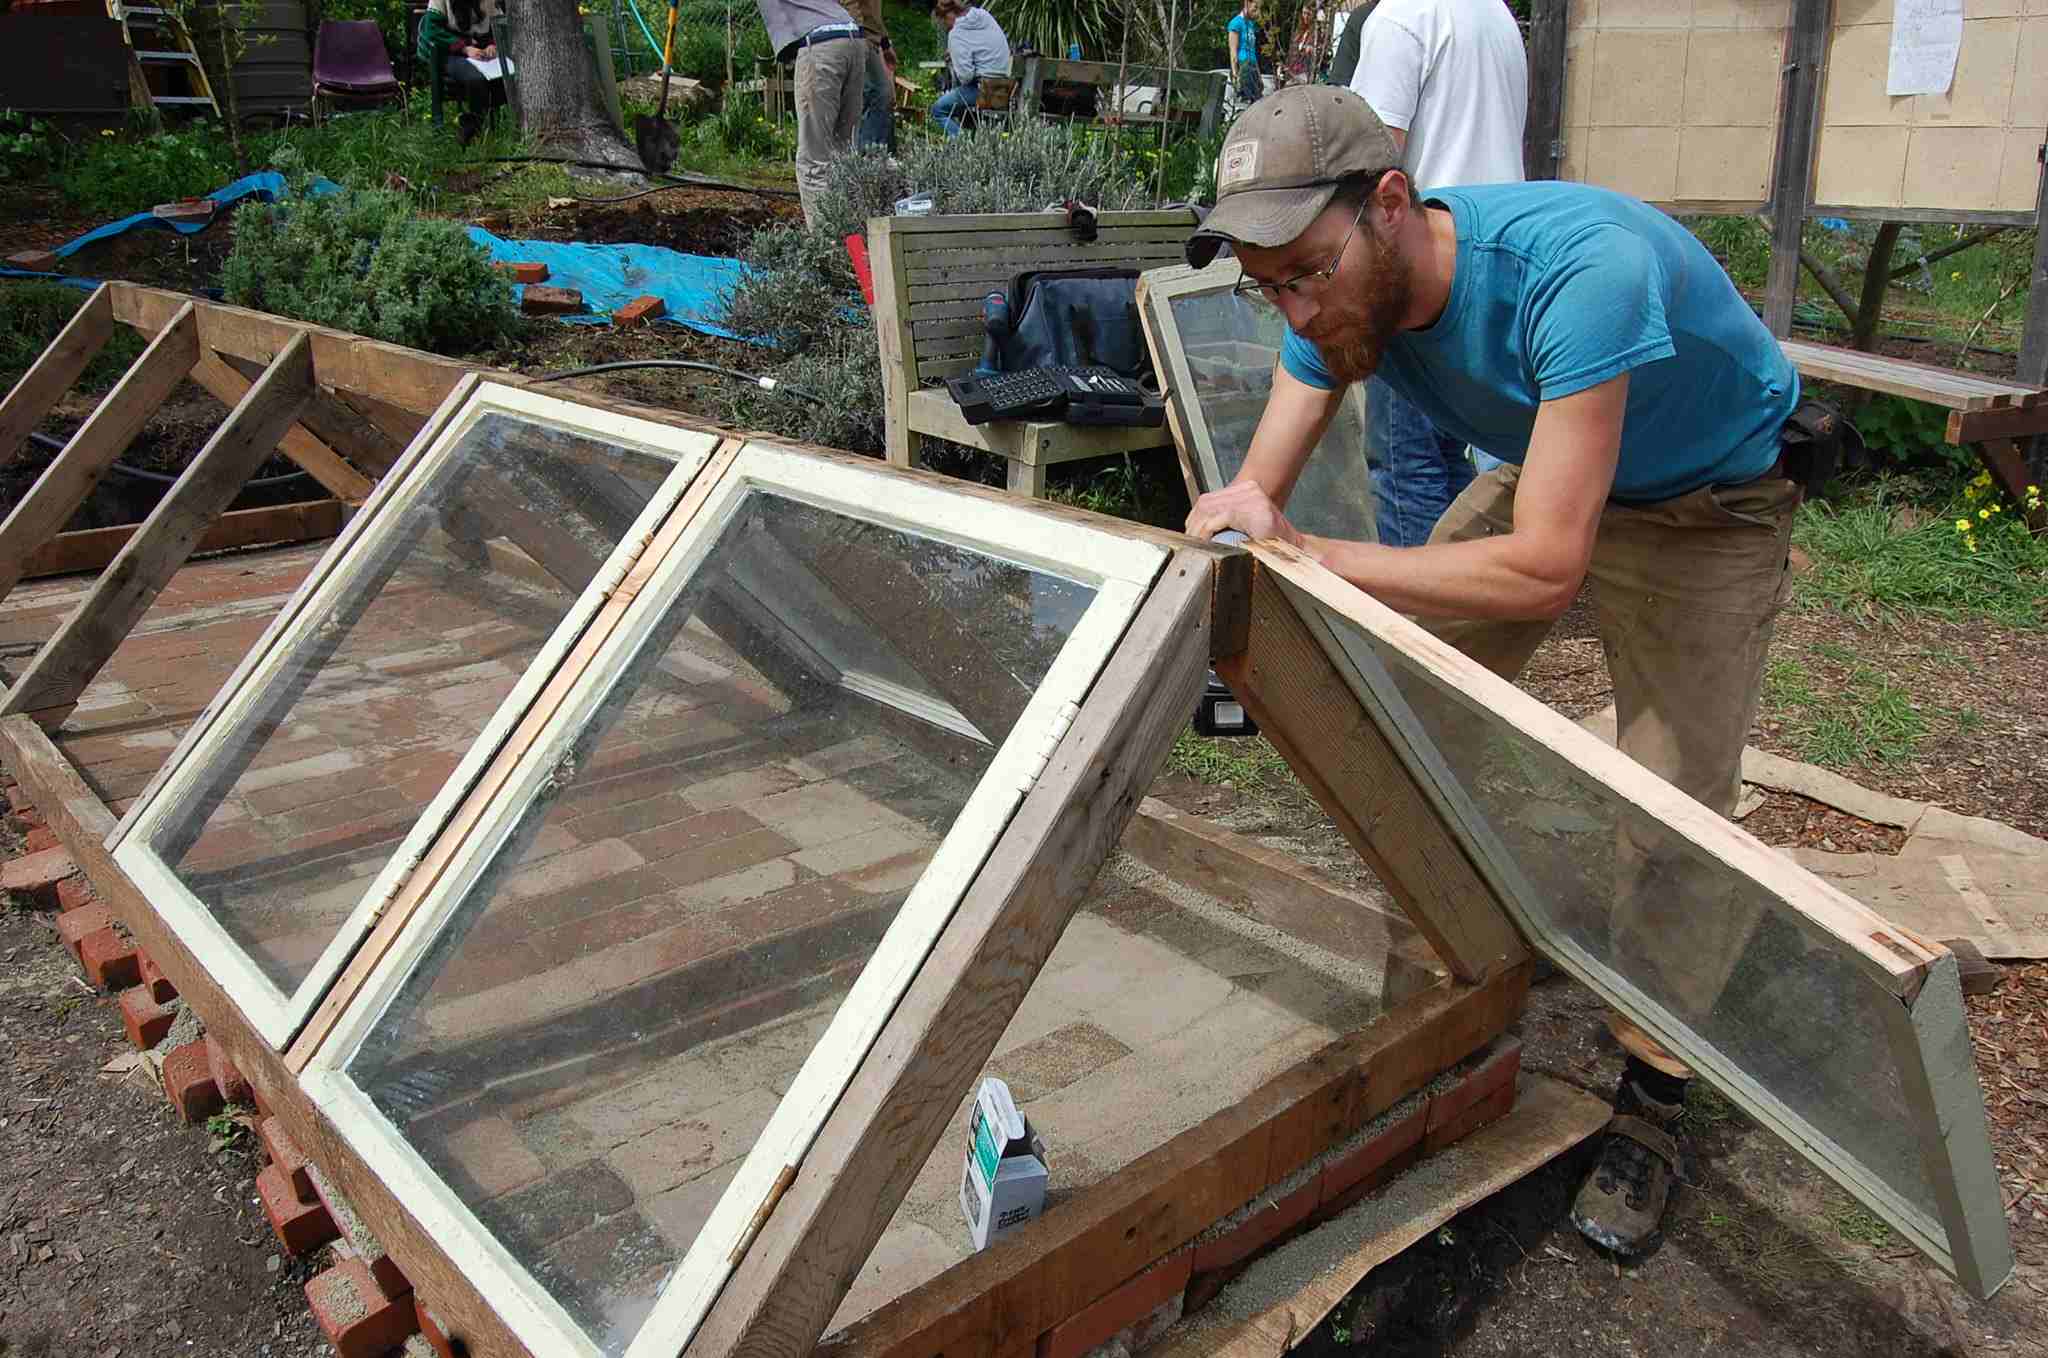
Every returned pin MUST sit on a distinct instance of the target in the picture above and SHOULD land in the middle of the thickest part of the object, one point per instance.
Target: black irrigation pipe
(141, 474)
(675, 181)
(764, 383)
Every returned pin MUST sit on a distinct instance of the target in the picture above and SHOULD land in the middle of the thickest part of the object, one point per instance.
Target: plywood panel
(1653, 89)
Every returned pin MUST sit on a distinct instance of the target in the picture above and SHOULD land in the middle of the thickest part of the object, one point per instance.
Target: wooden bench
(1987, 414)
(931, 274)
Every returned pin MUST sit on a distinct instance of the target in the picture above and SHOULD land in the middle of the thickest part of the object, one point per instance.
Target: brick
(1345, 1200)
(189, 1084)
(356, 1241)
(1272, 1221)
(545, 301)
(37, 873)
(640, 311)
(522, 270)
(40, 838)
(1485, 1094)
(436, 1332)
(1127, 1305)
(1400, 1137)
(301, 1227)
(233, 1085)
(355, 1315)
(286, 1158)
(158, 984)
(109, 960)
(34, 261)
(144, 1020)
(74, 926)
(74, 891)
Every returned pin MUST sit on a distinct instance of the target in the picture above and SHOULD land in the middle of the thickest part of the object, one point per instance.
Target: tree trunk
(1877, 276)
(559, 103)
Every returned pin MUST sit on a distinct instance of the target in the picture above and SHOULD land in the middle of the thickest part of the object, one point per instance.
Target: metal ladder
(158, 41)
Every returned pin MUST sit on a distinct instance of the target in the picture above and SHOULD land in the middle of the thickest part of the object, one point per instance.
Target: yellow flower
(1962, 525)
(2033, 490)
(1956, 276)
(1970, 492)
(106, 132)
(1983, 513)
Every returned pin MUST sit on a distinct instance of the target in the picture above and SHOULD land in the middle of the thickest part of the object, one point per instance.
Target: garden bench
(930, 276)
(1988, 414)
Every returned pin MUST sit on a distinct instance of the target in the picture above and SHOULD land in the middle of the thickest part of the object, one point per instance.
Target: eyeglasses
(1252, 288)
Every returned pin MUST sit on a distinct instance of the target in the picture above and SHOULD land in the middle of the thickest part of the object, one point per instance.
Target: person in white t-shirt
(1450, 80)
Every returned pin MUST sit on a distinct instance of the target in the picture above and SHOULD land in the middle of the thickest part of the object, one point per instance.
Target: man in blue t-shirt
(1595, 345)
(1241, 35)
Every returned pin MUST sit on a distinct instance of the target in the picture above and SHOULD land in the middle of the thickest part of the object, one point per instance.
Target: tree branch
(1831, 285)
(1954, 247)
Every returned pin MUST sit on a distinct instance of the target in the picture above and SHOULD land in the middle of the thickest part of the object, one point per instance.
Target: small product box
(1004, 1185)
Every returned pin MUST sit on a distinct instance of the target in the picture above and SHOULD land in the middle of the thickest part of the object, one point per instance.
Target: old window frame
(275, 1015)
(1122, 571)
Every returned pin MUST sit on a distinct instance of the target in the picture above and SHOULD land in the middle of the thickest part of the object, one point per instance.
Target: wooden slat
(70, 659)
(1905, 377)
(93, 548)
(105, 435)
(1278, 889)
(52, 374)
(1035, 442)
(1806, 51)
(991, 259)
(1548, 1119)
(1005, 221)
(999, 1301)
(2012, 422)
(898, 349)
(931, 250)
(947, 327)
(1310, 714)
(325, 465)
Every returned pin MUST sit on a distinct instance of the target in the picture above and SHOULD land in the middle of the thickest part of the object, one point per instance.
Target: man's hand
(1245, 506)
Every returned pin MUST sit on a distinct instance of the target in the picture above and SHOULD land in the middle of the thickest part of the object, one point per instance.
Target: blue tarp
(268, 186)
(609, 276)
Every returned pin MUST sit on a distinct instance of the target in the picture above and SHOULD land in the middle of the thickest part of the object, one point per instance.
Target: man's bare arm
(1535, 570)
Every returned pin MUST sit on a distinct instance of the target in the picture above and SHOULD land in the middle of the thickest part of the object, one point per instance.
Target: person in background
(975, 46)
(1450, 80)
(831, 72)
(878, 97)
(1243, 35)
(1351, 24)
(453, 34)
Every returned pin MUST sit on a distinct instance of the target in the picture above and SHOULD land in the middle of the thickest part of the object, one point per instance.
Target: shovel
(653, 135)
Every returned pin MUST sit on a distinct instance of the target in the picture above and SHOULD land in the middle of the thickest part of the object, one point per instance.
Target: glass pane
(603, 1028)
(1232, 344)
(1719, 960)
(443, 608)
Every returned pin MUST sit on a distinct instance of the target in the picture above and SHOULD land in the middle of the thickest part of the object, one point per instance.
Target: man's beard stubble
(1385, 291)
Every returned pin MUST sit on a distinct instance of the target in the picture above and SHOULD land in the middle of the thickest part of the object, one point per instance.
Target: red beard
(1369, 318)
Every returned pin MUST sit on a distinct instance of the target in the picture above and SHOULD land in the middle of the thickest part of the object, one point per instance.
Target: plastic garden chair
(351, 65)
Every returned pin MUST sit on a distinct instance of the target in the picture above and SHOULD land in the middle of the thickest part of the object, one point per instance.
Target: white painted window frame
(1121, 570)
(274, 1014)
(1927, 1034)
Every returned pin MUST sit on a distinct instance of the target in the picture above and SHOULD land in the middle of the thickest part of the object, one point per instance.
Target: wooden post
(1542, 136)
(69, 661)
(1212, 104)
(1034, 86)
(2033, 365)
(1806, 48)
(105, 435)
(81, 340)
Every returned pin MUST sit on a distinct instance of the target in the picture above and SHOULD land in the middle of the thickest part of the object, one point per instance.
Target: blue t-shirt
(1560, 287)
(1247, 38)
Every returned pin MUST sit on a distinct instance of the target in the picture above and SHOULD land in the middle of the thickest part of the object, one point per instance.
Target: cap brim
(1262, 218)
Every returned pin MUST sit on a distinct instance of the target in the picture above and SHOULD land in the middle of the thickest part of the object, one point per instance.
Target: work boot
(1621, 1205)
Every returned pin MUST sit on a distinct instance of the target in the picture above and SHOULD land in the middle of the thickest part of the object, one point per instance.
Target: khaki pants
(831, 80)
(1687, 592)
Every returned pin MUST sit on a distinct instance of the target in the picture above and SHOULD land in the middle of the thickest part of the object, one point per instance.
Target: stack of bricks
(1458, 1103)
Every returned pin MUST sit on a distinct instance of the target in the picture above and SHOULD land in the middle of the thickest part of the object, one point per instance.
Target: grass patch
(1878, 551)
(1859, 718)
(32, 314)
(1706, 1106)
(1246, 763)
(1861, 1226)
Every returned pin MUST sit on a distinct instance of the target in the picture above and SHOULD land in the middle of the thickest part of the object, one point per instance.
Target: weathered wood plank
(1798, 130)
(105, 435)
(1906, 377)
(228, 386)
(70, 659)
(51, 375)
(93, 548)
(1305, 708)
(884, 1127)
(2011, 422)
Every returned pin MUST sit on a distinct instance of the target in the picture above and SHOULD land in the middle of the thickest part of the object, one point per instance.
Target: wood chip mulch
(2009, 1029)
(1787, 820)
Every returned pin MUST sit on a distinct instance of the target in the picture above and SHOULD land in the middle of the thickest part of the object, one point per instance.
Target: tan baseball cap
(1281, 164)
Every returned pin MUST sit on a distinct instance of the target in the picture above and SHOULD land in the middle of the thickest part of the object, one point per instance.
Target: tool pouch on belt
(1815, 440)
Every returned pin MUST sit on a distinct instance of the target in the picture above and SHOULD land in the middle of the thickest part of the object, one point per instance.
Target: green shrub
(28, 148)
(112, 175)
(32, 314)
(362, 260)
(1902, 432)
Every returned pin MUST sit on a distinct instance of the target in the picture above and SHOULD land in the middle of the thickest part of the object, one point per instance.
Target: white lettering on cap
(1240, 164)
